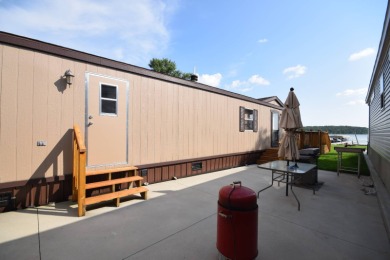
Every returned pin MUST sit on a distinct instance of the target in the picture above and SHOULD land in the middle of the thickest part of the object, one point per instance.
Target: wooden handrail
(79, 139)
(79, 169)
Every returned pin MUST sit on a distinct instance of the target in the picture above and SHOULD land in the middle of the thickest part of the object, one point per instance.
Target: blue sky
(259, 48)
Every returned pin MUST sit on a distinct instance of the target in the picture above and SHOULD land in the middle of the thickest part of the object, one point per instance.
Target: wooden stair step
(99, 184)
(268, 155)
(112, 170)
(115, 195)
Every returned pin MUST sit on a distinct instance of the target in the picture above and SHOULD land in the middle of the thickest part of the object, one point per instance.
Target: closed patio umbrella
(290, 121)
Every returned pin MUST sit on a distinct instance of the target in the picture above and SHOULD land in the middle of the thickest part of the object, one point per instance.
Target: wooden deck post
(75, 169)
(81, 186)
(79, 170)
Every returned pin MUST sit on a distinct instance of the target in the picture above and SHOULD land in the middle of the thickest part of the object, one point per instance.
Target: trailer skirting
(36, 192)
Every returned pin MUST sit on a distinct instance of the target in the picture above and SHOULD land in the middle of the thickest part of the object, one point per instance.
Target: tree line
(332, 129)
(168, 67)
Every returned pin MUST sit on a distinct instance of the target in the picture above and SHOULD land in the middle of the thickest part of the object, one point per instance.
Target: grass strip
(328, 162)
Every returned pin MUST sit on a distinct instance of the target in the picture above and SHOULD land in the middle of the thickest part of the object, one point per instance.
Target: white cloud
(134, 31)
(295, 72)
(352, 92)
(263, 40)
(356, 102)
(361, 54)
(211, 80)
(247, 85)
(257, 80)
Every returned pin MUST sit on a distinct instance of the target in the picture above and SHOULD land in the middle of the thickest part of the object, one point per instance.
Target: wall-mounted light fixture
(69, 77)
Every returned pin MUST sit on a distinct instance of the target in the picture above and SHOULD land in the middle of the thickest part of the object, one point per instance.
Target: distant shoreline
(338, 130)
(361, 139)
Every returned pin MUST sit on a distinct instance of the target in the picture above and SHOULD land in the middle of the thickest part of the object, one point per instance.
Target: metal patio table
(281, 172)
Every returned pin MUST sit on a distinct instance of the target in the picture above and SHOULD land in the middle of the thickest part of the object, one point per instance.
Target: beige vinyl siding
(34, 108)
(24, 141)
(157, 121)
(199, 124)
(8, 114)
(134, 119)
(40, 129)
(167, 121)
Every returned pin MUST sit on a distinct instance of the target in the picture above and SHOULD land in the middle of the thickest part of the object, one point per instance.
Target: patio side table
(340, 151)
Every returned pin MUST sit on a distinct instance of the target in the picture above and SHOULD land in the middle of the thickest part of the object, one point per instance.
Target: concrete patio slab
(179, 222)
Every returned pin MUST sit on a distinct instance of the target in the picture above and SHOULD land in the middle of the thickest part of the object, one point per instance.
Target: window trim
(108, 99)
(244, 119)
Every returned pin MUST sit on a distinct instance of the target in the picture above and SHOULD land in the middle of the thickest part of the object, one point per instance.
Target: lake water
(355, 139)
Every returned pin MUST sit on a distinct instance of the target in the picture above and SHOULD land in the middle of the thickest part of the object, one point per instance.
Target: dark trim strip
(153, 165)
(36, 45)
(37, 181)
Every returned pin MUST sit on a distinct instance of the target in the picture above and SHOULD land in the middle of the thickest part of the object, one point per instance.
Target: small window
(108, 100)
(248, 119)
(382, 91)
(381, 85)
(383, 100)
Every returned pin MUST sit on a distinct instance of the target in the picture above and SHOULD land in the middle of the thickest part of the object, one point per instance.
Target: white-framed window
(108, 100)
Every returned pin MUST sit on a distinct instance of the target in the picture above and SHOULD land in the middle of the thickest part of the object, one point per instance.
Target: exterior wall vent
(196, 166)
(5, 199)
(144, 172)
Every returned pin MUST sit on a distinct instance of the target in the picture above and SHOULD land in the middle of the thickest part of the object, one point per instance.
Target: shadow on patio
(179, 222)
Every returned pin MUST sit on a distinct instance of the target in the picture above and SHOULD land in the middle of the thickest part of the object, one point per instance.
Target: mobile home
(129, 116)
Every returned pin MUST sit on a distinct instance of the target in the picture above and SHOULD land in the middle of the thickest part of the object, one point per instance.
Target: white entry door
(106, 121)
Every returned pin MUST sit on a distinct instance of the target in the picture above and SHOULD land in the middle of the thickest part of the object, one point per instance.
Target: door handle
(90, 123)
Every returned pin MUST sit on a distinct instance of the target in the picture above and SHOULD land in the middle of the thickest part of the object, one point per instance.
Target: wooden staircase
(119, 185)
(268, 155)
(116, 183)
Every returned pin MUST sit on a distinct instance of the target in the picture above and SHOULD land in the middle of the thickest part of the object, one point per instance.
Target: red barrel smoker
(237, 222)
